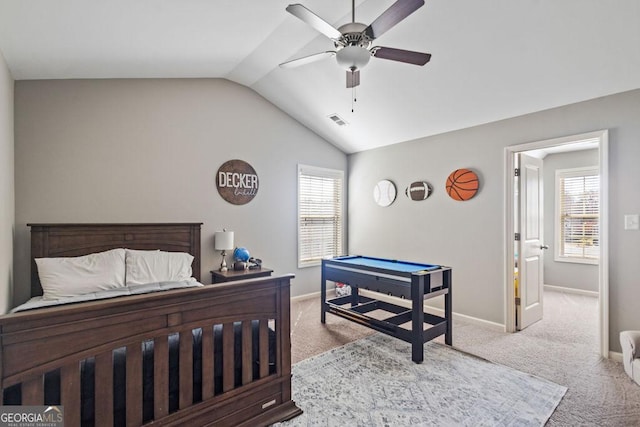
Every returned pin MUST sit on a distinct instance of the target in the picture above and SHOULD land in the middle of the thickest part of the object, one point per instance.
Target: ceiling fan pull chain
(353, 97)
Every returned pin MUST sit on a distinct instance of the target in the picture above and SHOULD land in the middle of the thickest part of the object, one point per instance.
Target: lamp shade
(223, 240)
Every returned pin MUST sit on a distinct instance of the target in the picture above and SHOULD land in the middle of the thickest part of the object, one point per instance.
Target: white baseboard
(435, 311)
(615, 356)
(404, 302)
(498, 327)
(571, 291)
(306, 296)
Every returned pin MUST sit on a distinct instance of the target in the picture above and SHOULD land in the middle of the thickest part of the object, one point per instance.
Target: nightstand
(231, 275)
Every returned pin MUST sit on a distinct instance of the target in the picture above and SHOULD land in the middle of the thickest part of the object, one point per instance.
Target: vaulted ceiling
(491, 60)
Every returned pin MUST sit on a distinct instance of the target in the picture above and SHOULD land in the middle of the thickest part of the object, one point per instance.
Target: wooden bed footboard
(244, 381)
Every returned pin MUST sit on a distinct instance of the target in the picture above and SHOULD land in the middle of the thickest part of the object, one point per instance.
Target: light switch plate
(632, 222)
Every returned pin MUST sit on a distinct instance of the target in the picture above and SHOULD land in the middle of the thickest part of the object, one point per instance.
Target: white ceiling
(491, 59)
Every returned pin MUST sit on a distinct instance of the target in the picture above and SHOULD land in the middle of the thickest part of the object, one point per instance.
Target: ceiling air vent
(338, 120)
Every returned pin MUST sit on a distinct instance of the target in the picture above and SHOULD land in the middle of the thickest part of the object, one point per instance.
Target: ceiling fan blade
(319, 24)
(353, 78)
(307, 59)
(390, 17)
(401, 55)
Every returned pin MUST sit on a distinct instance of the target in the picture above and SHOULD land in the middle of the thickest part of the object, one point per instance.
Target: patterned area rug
(373, 382)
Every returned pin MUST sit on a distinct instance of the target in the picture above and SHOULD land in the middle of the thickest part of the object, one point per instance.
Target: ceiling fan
(353, 40)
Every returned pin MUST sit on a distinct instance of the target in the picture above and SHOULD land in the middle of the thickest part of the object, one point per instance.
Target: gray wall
(7, 210)
(469, 236)
(564, 274)
(148, 151)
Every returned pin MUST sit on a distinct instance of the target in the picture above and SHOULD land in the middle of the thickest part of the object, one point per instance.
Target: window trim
(573, 172)
(326, 172)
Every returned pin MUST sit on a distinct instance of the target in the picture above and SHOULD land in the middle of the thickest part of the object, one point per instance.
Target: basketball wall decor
(418, 190)
(384, 193)
(462, 184)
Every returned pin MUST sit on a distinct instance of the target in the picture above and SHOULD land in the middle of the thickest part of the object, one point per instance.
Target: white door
(530, 262)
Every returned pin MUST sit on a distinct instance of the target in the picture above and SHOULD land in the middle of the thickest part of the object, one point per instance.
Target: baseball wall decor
(462, 184)
(418, 190)
(384, 193)
(237, 182)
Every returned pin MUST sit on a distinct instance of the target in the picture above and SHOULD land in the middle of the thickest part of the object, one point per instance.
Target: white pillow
(72, 276)
(157, 266)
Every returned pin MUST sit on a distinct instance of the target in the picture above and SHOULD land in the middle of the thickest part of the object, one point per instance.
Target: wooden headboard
(62, 240)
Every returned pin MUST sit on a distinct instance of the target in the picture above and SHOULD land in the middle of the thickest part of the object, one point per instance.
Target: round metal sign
(237, 182)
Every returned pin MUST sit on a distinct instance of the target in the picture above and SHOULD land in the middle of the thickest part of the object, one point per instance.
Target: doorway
(599, 140)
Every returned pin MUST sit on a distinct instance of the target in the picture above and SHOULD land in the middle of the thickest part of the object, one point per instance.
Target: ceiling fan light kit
(353, 40)
(353, 57)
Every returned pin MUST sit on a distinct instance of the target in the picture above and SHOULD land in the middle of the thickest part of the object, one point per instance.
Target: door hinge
(517, 237)
(518, 302)
(517, 171)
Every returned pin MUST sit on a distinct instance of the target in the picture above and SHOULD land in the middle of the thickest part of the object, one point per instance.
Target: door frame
(603, 266)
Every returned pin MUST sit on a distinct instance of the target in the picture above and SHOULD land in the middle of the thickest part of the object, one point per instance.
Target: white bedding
(39, 302)
(156, 266)
(69, 276)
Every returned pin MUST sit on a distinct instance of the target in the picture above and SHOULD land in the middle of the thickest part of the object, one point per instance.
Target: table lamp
(223, 241)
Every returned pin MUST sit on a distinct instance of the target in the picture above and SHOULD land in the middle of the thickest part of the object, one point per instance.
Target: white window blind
(578, 198)
(319, 214)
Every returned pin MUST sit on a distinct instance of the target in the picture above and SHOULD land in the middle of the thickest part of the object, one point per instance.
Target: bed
(210, 355)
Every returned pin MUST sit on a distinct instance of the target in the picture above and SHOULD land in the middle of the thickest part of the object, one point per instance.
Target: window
(578, 215)
(319, 214)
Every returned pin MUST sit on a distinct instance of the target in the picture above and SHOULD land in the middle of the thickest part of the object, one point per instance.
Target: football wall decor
(418, 190)
(462, 184)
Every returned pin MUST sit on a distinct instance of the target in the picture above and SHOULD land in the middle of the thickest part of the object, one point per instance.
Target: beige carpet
(562, 348)
(310, 337)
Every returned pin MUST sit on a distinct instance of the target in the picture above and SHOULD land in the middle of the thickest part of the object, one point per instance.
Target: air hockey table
(408, 280)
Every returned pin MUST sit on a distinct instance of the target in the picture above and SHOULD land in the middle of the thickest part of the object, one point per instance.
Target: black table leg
(448, 336)
(417, 319)
(355, 296)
